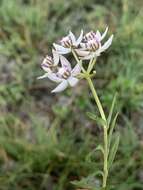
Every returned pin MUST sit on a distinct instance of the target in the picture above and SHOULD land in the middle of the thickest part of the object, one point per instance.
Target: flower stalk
(105, 129)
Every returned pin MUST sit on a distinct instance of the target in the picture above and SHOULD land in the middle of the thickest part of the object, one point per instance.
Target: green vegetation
(47, 141)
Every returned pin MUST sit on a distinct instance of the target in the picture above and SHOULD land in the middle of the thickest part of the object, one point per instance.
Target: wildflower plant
(59, 70)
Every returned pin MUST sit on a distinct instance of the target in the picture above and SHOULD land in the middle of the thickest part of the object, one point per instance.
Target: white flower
(92, 35)
(50, 64)
(91, 46)
(68, 42)
(66, 76)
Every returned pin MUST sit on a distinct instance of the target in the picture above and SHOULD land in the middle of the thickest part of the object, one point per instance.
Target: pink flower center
(92, 45)
(89, 36)
(66, 42)
(48, 62)
(64, 73)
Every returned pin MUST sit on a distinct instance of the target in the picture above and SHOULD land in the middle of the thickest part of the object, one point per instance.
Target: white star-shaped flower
(91, 46)
(65, 76)
(68, 42)
(50, 63)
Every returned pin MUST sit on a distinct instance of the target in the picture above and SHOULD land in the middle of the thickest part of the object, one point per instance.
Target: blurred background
(45, 139)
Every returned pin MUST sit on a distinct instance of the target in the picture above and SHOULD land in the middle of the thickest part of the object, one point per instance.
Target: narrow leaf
(98, 148)
(113, 151)
(98, 173)
(81, 183)
(111, 110)
(99, 120)
(88, 182)
(111, 129)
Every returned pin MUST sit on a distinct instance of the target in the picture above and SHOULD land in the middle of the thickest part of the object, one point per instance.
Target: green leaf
(98, 148)
(111, 129)
(80, 184)
(113, 151)
(89, 182)
(98, 173)
(111, 109)
(83, 183)
(99, 120)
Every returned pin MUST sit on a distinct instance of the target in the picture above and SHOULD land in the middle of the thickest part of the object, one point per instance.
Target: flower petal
(79, 38)
(62, 86)
(98, 35)
(106, 44)
(72, 36)
(90, 56)
(76, 70)
(65, 63)
(43, 76)
(98, 52)
(45, 67)
(83, 45)
(61, 49)
(53, 77)
(55, 57)
(104, 34)
(73, 81)
(82, 52)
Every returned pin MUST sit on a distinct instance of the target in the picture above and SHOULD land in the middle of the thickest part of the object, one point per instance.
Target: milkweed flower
(92, 35)
(50, 63)
(65, 75)
(91, 45)
(68, 43)
(58, 69)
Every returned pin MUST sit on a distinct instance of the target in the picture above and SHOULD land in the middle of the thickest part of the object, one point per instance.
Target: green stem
(87, 76)
(91, 65)
(75, 56)
(105, 157)
(96, 98)
(105, 167)
(77, 59)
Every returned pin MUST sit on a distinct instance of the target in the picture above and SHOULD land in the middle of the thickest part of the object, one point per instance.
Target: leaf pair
(98, 148)
(110, 124)
(90, 182)
(99, 120)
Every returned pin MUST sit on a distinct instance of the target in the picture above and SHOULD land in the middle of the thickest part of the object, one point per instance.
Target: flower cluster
(86, 47)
